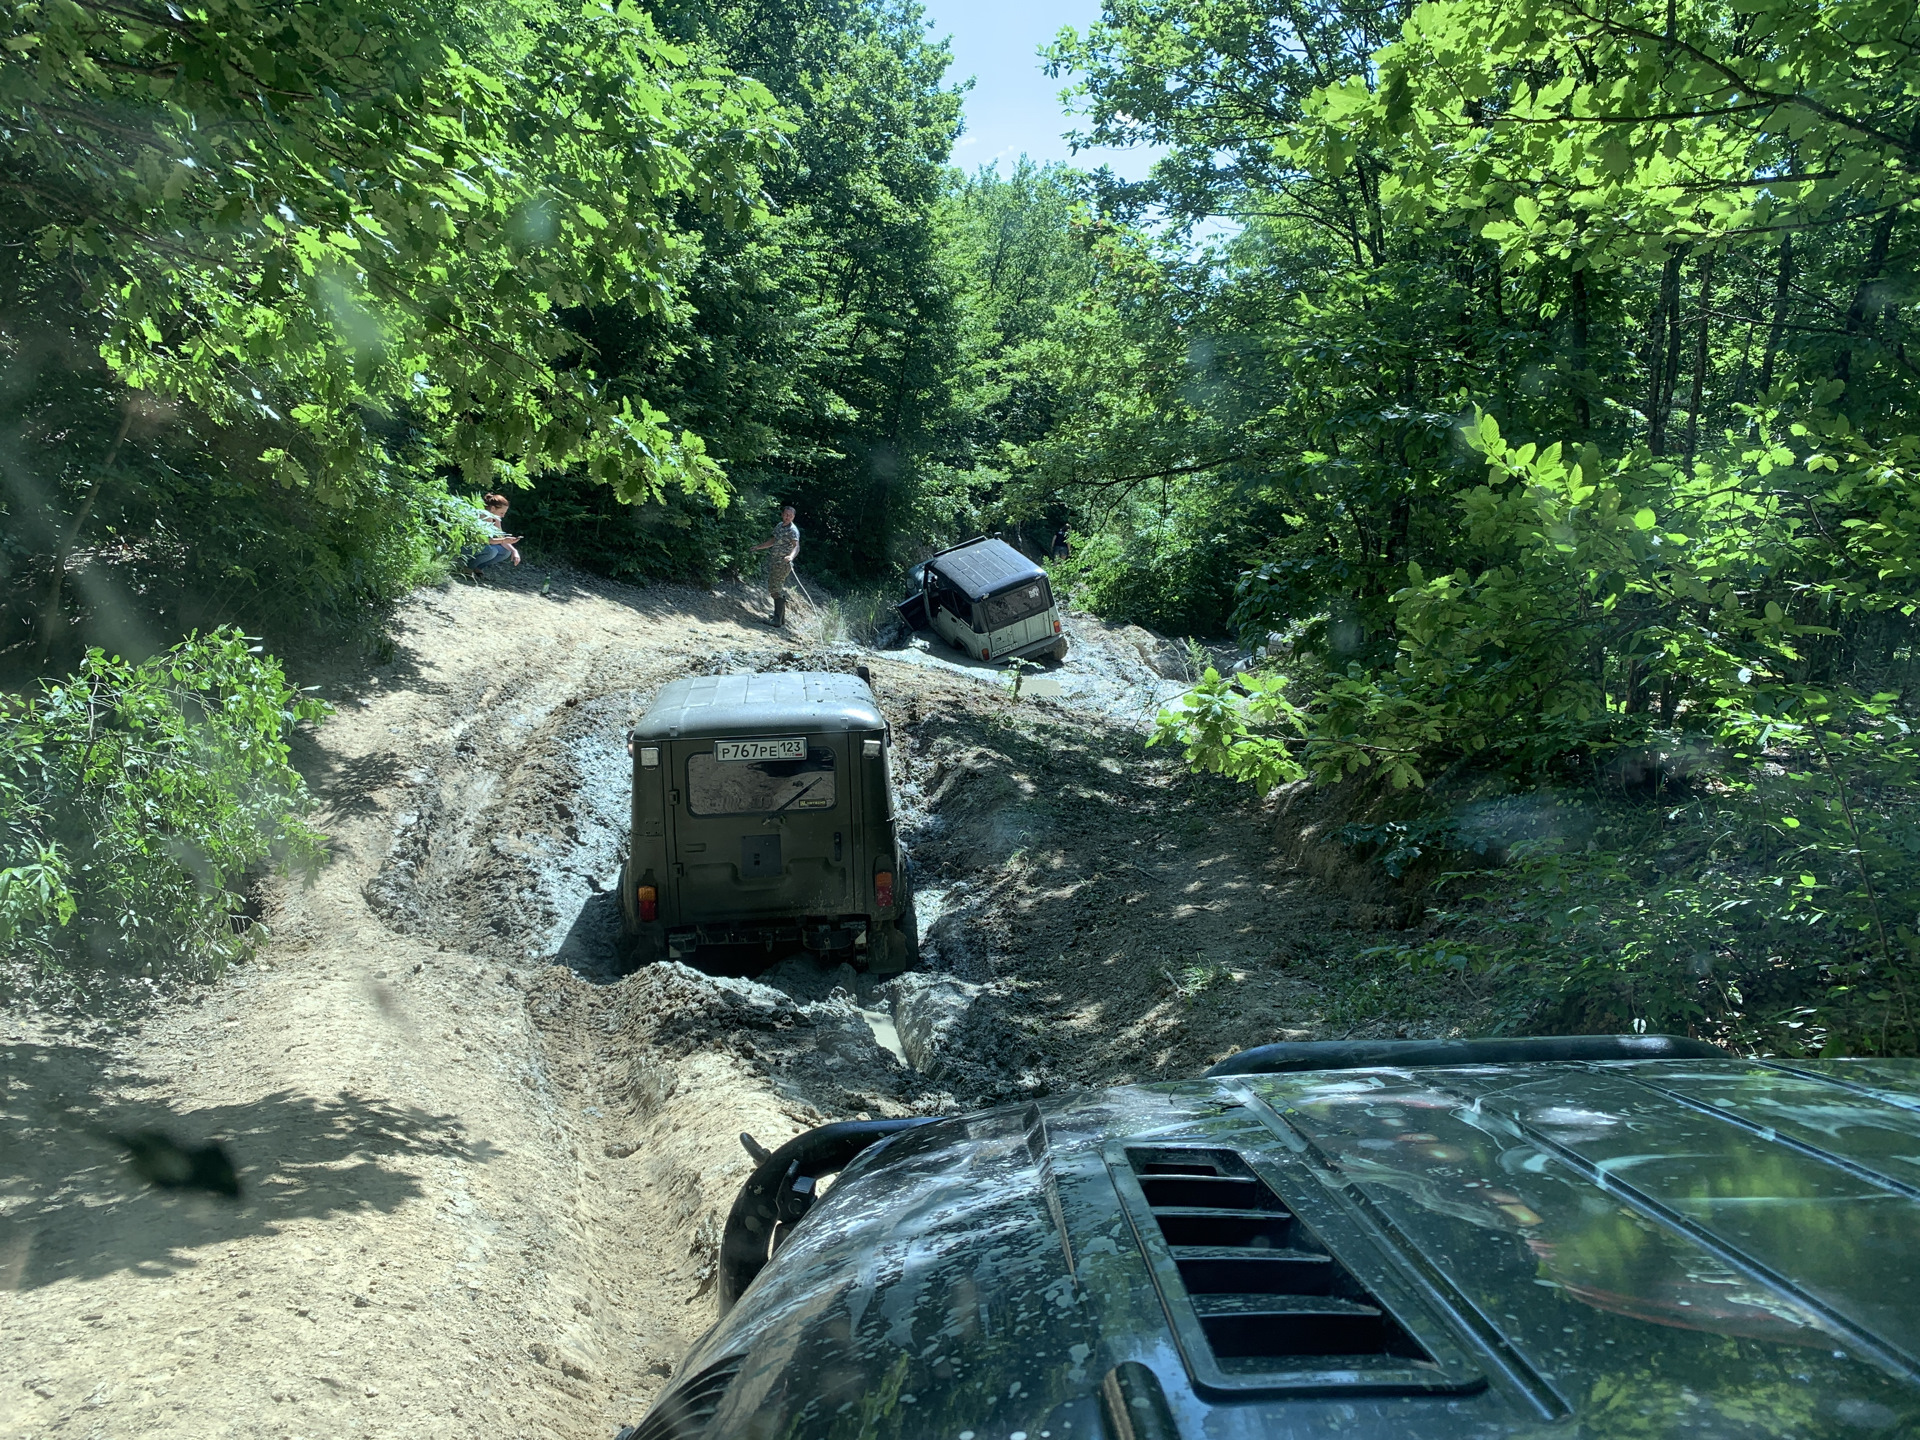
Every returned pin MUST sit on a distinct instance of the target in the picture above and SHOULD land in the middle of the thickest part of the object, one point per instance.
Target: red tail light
(983, 652)
(649, 903)
(883, 889)
(1056, 627)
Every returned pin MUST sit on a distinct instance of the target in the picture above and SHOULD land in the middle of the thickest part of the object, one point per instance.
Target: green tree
(1567, 350)
(817, 357)
(330, 246)
(135, 803)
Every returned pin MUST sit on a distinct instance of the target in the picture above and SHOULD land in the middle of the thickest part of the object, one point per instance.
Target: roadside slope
(427, 1237)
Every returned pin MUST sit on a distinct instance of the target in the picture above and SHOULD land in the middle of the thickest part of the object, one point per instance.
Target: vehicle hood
(1708, 1248)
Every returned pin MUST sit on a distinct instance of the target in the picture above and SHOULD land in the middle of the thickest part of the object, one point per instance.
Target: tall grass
(860, 616)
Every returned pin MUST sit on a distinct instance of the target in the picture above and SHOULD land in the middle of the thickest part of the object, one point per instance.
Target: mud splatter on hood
(1649, 1248)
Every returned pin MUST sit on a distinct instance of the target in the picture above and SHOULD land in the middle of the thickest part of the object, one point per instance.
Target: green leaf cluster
(136, 803)
(324, 213)
(282, 274)
(1550, 396)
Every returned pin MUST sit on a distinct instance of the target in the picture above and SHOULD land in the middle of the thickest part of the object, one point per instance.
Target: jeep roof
(983, 567)
(816, 701)
(1712, 1247)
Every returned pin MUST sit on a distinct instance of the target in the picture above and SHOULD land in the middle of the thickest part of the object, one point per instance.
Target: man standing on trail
(785, 544)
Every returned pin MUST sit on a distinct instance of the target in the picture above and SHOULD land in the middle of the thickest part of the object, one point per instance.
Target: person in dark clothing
(1059, 549)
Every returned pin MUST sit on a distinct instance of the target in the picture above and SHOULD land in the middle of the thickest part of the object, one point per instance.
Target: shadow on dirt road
(76, 1210)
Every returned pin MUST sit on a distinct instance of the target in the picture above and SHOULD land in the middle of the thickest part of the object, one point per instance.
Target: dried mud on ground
(484, 1176)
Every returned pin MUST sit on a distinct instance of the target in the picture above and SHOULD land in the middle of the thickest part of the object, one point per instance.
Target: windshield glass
(760, 787)
(1022, 603)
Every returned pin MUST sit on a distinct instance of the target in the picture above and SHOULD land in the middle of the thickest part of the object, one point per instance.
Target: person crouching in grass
(500, 545)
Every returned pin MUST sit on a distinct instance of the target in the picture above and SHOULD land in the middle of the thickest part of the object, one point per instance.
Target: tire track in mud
(495, 848)
(451, 974)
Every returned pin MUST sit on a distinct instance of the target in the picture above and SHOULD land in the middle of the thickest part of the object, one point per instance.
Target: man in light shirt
(785, 544)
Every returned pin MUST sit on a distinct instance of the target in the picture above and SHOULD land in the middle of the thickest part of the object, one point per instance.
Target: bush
(1173, 582)
(135, 800)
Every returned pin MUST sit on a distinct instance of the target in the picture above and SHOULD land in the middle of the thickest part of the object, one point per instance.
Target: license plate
(792, 747)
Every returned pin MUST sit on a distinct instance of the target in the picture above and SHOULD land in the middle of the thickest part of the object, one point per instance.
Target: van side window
(1021, 603)
(760, 787)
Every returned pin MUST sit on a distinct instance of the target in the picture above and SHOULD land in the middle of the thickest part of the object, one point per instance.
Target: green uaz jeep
(763, 815)
(1561, 1238)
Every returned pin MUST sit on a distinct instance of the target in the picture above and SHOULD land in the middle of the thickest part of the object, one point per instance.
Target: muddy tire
(900, 941)
(638, 949)
(1058, 653)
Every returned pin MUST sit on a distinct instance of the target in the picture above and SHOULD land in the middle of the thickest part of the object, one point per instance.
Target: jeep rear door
(763, 837)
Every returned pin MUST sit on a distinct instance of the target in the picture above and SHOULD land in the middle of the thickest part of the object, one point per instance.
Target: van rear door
(762, 826)
(1018, 616)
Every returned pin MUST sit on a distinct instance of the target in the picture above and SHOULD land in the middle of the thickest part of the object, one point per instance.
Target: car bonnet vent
(686, 1412)
(1256, 1297)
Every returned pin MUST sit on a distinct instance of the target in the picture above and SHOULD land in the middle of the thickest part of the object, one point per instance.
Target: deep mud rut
(485, 1176)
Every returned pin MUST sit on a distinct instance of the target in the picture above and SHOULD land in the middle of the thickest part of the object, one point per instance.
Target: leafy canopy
(322, 213)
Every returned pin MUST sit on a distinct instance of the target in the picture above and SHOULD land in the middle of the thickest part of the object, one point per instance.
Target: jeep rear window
(1020, 603)
(760, 787)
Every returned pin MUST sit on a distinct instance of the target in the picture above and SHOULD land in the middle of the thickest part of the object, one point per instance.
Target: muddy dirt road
(484, 1177)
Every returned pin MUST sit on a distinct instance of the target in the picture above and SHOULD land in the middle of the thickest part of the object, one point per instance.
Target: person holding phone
(500, 545)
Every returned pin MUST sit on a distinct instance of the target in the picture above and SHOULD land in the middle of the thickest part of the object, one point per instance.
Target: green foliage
(678, 537)
(136, 801)
(1013, 248)
(280, 271)
(330, 197)
(1563, 356)
(1563, 132)
(1174, 577)
(817, 357)
(1195, 981)
(1244, 728)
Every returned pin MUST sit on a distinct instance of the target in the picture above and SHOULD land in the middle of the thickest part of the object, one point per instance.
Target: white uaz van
(988, 601)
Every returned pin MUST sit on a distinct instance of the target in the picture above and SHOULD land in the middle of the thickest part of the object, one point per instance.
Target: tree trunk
(1782, 284)
(1657, 388)
(56, 586)
(1631, 696)
(1582, 410)
(1676, 338)
(1861, 313)
(1670, 693)
(1699, 356)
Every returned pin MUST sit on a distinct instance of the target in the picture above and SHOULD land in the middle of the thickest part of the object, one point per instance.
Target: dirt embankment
(484, 1176)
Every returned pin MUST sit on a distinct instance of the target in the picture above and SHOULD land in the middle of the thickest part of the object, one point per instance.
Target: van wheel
(636, 950)
(900, 942)
(960, 645)
(1058, 653)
